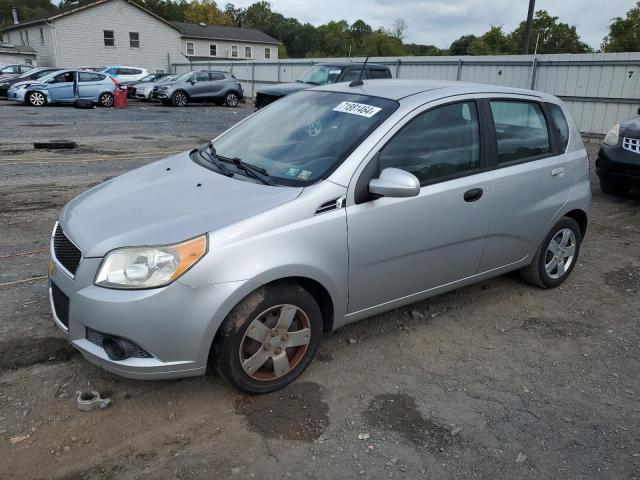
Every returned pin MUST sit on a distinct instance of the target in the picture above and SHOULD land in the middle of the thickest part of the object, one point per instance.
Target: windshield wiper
(215, 159)
(254, 171)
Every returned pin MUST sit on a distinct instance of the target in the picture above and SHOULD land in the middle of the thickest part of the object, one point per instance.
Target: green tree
(461, 45)
(172, 10)
(422, 50)
(551, 36)
(206, 11)
(624, 33)
(493, 42)
(26, 9)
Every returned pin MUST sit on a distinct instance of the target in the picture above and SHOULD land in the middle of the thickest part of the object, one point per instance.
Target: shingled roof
(216, 32)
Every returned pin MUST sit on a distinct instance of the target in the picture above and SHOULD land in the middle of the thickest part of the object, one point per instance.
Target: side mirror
(394, 182)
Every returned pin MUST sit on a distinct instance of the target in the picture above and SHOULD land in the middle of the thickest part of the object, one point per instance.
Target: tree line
(341, 39)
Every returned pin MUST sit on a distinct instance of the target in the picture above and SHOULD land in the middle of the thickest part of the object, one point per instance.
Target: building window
(213, 50)
(134, 40)
(41, 36)
(267, 53)
(160, 71)
(109, 38)
(22, 38)
(190, 49)
(26, 34)
(234, 51)
(247, 52)
(28, 62)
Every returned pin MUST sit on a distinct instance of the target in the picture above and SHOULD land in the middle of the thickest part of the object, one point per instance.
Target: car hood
(283, 89)
(631, 128)
(144, 84)
(27, 82)
(162, 203)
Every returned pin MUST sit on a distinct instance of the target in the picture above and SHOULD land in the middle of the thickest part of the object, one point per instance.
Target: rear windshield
(305, 136)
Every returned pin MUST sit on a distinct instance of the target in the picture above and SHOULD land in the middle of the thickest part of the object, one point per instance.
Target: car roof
(399, 89)
(346, 64)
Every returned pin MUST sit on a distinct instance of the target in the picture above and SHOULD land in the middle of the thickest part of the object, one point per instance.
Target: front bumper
(16, 95)
(160, 95)
(619, 165)
(143, 94)
(174, 324)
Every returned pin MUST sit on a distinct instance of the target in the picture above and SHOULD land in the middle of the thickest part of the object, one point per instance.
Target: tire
(231, 99)
(273, 364)
(545, 270)
(106, 99)
(610, 188)
(179, 99)
(36, 99)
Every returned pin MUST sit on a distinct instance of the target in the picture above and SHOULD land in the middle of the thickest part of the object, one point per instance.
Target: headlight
(149, 267)
(162, 88)
(611, 138)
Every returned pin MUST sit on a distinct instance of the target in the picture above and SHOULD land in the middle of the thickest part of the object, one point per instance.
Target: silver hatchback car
(329, 206)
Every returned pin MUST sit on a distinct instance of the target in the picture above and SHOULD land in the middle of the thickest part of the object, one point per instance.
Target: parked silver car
(222, 88)
(334, 204)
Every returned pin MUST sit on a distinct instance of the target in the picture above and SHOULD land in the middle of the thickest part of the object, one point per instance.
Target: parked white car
(125, 74)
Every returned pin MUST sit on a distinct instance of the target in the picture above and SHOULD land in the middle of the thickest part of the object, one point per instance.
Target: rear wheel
(179, 99)
(231, 99)
(557, 255)
(611, 188)
(36, 99)
(106, 100)
(268, 339)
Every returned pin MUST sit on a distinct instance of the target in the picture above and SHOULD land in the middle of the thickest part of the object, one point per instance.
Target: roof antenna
(357, 83)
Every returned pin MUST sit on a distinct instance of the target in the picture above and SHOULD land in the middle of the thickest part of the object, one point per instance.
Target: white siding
(46, 52)
(81, 40)
(21, 58)
(224, 49)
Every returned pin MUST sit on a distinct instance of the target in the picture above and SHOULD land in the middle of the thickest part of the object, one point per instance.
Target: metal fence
(600, 89)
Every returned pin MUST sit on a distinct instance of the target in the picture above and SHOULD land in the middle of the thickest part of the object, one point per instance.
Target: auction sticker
(354, 108)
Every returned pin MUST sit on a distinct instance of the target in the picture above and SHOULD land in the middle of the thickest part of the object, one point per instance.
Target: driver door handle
(473, 195)
(557, 172)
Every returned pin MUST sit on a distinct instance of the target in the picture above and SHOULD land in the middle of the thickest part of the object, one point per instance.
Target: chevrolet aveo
(328, 206)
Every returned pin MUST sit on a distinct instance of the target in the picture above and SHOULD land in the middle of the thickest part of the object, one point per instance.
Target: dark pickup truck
(321, 74)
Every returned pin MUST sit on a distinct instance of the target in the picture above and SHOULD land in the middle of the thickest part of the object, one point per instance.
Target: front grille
(626, 170)
(96, 338)
(631, 144)
(263, 100)
(60, 305)
(65, 251)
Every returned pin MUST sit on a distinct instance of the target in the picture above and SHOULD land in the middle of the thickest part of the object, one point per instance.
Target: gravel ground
(499, 380)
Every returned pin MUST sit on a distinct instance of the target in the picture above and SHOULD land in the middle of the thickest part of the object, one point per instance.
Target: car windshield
(321, 75)
(168, 78)
(148, 78)
(304, 136)
(184, 77)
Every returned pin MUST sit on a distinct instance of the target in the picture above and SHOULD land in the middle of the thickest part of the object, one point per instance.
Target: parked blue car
(65, 86)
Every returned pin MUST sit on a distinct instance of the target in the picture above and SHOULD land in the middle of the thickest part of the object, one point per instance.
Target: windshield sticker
(314, 127)
(293, 172)
(304, 175)
(354, 108)
(334, 72)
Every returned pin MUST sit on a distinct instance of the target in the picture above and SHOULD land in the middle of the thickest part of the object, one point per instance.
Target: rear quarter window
(560, 123)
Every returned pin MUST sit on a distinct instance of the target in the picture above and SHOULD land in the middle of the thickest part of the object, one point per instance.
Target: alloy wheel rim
(275, 342)
(106, 100)
(37, 99)
(560, 253)
(181, 100)
(232, 100)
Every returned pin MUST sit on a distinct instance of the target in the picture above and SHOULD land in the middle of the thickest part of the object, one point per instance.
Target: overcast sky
(439, 22)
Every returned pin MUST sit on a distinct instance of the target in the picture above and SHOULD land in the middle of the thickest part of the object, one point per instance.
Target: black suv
(321, 74)
(618, 163)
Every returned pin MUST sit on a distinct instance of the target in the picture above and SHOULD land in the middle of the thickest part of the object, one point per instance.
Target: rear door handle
(473, 195)
(557, 172)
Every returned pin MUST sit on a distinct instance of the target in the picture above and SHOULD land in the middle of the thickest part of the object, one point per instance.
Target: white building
(201, 42)
(18, 54)
(120, 32)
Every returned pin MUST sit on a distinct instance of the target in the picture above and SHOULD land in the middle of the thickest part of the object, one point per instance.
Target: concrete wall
(224, 49)
(600, 89)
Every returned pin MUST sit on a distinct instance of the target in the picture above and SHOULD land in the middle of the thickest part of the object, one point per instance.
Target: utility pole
(527, 39)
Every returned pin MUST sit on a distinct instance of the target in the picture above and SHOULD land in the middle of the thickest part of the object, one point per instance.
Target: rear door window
(378, 73)
(437, 144)
(353, 74)
(216, 76)
(89, 77)
(521, 130)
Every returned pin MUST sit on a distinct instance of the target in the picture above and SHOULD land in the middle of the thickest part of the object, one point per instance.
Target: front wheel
(36, 99)
(557, 255)
(268, 339)
(179, 99)
(231, 99)
(106, 100)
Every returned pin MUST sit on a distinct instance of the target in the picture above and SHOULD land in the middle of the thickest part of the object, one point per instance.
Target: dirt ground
(496, 381)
